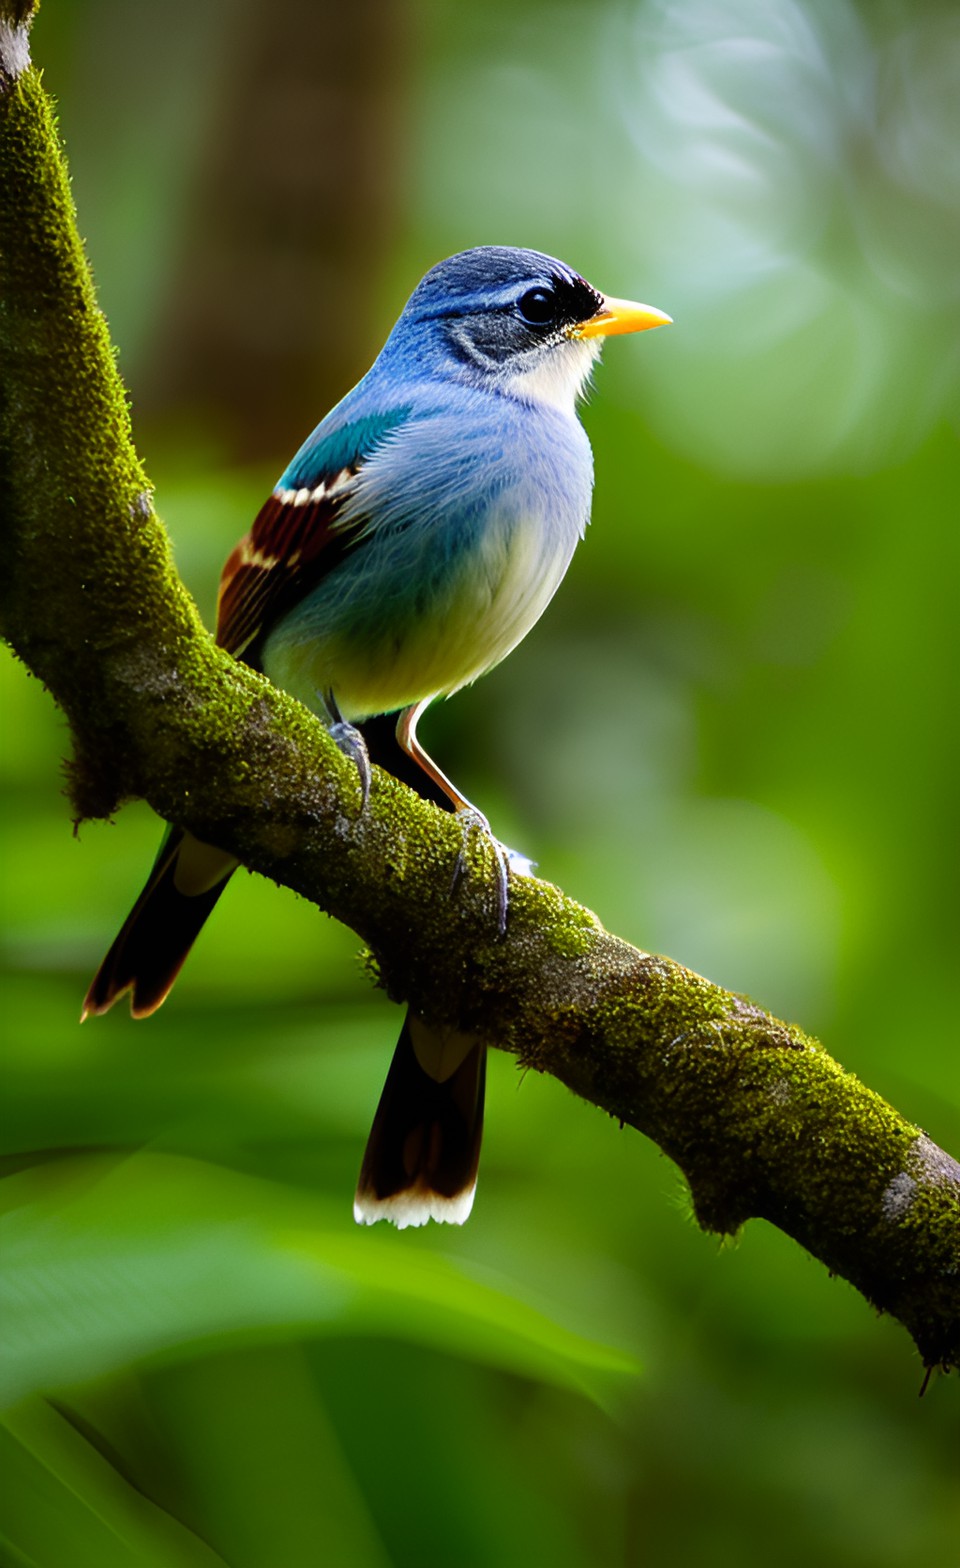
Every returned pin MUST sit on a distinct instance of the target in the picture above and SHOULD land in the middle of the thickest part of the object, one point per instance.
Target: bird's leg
(350, 741)
(471, 820)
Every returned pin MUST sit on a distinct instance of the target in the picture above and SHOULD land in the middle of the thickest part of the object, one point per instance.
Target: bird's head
(514, 320)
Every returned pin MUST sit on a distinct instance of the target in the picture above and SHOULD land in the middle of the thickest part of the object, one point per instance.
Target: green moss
(19, 12)
(61, 394)
(573, 929)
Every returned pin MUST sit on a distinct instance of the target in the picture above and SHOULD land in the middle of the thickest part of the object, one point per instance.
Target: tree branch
(759, 1117)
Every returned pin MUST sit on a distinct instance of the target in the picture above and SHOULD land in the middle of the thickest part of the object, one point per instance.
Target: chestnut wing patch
(294, 542)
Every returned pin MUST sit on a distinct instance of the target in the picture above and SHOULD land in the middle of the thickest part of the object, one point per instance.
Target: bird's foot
(350, 741)
(473, 821)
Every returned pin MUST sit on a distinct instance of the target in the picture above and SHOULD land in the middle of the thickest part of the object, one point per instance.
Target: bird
(415, 538)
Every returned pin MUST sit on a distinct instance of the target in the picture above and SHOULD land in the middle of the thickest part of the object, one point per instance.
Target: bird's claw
(350, 741)
(473, 821)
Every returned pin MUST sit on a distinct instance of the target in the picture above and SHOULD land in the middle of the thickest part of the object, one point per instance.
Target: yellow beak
(621, 315)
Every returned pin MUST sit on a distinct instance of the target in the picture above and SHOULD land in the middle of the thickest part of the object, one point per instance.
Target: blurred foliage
(733, 735)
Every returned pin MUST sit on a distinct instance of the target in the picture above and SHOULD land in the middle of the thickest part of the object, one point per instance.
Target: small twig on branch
(760, 1119)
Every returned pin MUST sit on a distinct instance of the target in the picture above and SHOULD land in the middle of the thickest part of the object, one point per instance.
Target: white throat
(560, 377)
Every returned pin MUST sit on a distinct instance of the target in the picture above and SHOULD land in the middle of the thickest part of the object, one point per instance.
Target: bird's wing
(299, 534)
(295, 532)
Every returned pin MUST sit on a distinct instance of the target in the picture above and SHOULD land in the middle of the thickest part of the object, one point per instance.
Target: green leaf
(111, 1261)
(62, 1496)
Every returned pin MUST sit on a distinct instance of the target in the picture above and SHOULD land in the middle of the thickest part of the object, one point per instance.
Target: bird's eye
(538, 307)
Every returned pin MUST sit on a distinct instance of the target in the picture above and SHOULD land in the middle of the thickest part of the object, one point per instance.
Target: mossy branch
(759, 1117)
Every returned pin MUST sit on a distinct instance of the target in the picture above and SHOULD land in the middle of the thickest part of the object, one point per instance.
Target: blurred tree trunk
(270, 313)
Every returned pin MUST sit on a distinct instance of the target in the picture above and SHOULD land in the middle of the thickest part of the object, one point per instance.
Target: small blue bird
(417, 536)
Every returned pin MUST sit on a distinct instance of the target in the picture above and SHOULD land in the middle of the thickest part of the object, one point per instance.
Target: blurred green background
(733, 735)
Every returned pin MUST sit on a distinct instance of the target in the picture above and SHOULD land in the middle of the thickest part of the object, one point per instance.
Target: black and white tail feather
(152, 945)
(424, 1148)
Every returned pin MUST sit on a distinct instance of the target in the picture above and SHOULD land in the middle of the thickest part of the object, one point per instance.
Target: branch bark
(760, 1119)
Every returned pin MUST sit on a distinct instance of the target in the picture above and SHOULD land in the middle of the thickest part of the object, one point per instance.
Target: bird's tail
(424, 1147)
(148, 953)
